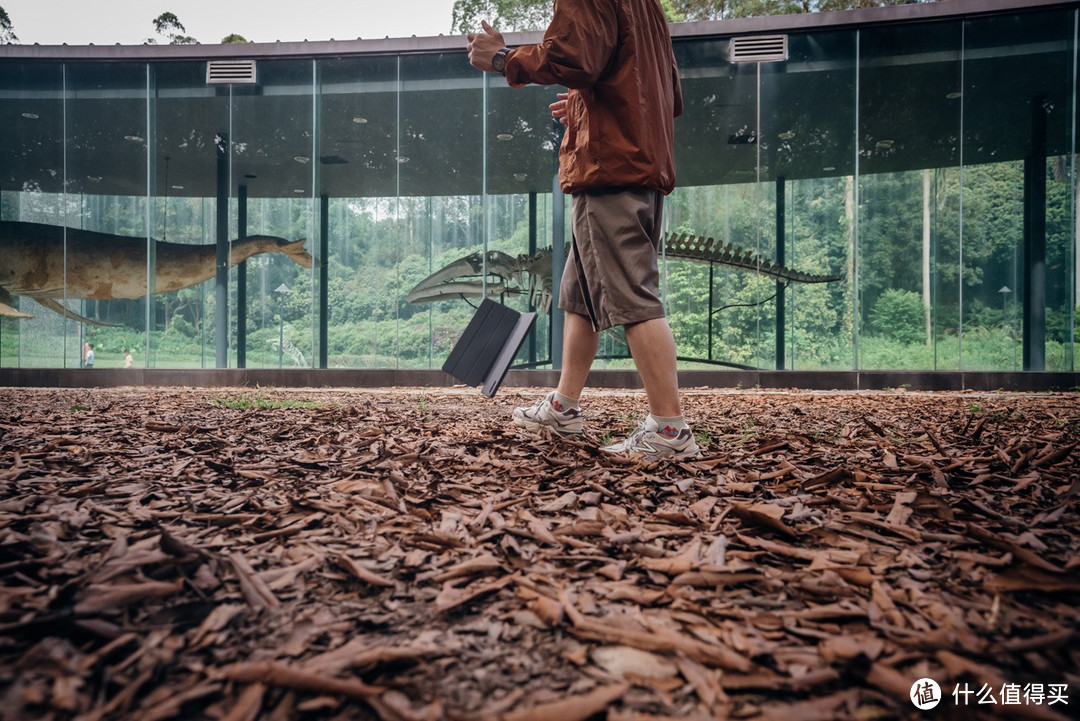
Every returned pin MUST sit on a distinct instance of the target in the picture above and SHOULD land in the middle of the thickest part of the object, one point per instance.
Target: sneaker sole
(541, 427)
(696, 453)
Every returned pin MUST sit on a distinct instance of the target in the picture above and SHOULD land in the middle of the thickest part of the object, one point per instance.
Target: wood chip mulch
(408, 555)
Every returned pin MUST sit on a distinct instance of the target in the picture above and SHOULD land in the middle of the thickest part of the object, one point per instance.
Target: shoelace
(633, 439)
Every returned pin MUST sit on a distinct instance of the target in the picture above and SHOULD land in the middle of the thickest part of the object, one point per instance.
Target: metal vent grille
(224, 72)
(759, 49)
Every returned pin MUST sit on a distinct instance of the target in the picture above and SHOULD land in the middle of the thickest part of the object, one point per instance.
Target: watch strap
(498, 61)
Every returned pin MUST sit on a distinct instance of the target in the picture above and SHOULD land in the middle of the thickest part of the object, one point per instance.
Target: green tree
(168, 25)
(726, 9)
(233, 38)
(7, 32)
(506, 15)
(519, 15)
(898, 315)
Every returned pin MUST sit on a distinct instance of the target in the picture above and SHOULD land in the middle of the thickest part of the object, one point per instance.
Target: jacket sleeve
(576, 50)
(676, 87)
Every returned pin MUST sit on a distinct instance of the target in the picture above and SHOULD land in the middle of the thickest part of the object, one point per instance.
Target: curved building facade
(888, 190)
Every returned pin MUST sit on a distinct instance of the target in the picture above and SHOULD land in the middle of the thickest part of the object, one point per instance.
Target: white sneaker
(549, 413)
(651, 441)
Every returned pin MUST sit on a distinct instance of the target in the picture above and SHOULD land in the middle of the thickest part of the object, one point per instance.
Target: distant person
(89, 355)
(617, 162)
(85, 351)
(129, 362)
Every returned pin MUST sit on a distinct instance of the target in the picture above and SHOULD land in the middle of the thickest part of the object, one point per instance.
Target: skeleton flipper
(446, 280)
(7, 309)
(455, 289)
(57, 308)
(9, 312)
(469, 265)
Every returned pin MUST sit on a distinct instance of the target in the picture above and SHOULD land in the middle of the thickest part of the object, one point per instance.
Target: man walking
(617, 162)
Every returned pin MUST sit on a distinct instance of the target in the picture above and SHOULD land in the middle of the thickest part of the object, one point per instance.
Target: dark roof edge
(303, 48)
(454, 43)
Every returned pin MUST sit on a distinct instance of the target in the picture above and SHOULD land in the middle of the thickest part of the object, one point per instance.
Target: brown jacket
(616, 59)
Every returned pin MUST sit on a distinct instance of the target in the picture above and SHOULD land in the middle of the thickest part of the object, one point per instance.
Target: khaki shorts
(611, 274)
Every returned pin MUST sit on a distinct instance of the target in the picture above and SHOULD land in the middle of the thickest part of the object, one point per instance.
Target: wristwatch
(498, 61)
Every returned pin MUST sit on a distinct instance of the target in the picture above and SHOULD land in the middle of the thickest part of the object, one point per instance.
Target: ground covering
(407, 555)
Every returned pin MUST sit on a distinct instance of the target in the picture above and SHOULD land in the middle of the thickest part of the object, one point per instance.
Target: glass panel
(358, 110)
(1018, 119)
(31, 187)
(908, 197)
(521, 143)
(106, 152)
(445, 223)
(717, 163)
(191, 121)
(364, 300)
(819, 235)
(274, 165)
(808, 115)
(438, 149)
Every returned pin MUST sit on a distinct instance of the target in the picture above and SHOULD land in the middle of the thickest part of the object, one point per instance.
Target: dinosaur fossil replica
(104, 266)
(531, 274)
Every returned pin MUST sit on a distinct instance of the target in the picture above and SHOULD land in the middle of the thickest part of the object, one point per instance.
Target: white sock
(676, 423)
(566, 403)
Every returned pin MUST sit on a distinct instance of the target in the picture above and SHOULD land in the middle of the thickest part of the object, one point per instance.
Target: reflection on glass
(273, 167)
(909, 254)
(923, 185)
(31, 183)
(1019, 266)
(190, 140)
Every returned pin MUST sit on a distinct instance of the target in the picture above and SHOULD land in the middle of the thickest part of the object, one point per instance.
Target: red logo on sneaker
(668, 432)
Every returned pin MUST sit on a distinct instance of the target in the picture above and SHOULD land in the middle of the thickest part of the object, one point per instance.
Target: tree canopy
(169, 26)
(166, 24)
(519, 15)
(7, 32)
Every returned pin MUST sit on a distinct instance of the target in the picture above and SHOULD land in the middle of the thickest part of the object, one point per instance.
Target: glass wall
(191, 127)
(766, 161)
(895, 196)
(33, 115)
(722, 194)
(910, 169)
(1018, 218)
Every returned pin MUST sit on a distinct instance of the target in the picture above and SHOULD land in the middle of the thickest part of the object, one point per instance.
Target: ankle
(564, 403)
(669, 426)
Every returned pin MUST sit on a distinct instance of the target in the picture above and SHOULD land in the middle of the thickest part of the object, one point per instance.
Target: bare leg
(580, 343)
(653, 348)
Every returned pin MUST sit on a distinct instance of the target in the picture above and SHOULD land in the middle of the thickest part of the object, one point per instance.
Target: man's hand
(558, 108)
(483, 46)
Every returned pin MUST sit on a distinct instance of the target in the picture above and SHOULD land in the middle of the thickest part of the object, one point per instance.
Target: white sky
(130, 22)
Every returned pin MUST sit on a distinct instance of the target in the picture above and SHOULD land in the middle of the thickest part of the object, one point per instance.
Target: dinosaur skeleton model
(45, 262)
(531, 274)
(287, 347)
(521, 274)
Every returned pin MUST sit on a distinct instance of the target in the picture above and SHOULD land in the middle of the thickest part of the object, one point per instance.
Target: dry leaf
(810, 569)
